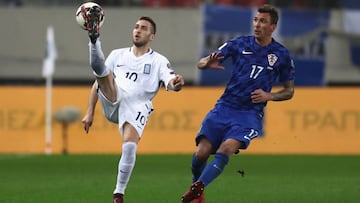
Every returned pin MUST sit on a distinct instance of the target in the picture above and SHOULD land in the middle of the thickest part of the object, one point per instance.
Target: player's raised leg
(97, 59)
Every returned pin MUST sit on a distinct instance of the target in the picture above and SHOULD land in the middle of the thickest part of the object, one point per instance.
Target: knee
(230, 146)
(228, 149)
(202, 155)
(204, 149)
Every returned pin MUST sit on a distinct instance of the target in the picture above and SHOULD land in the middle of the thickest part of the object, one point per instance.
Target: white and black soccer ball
(82, 12)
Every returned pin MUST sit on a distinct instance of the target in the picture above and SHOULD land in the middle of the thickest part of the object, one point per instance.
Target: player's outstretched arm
(211, 61)
(177, 83)
(90, 112)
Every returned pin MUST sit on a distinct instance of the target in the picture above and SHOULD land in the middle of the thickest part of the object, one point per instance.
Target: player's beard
(140, 42)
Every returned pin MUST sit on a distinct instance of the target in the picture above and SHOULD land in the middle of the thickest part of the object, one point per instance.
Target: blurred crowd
(299, 4)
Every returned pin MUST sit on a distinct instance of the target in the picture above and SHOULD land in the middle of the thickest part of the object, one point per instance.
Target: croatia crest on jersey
(147, 68)
(272, 58)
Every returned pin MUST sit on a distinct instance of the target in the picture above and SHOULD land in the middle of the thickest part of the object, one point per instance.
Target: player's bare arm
(287, 92)
(211, 61)
(177, 83)
(90, 112)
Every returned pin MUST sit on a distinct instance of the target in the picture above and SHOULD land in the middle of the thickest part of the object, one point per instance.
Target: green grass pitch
(164, 178)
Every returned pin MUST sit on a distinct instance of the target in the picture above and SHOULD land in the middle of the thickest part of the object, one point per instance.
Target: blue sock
(214, 168)
(197, 167)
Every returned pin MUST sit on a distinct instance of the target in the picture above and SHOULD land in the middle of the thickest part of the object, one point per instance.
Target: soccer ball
(82, 12)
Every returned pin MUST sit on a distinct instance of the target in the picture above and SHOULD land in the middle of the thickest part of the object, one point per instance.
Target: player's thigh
(229, 146)
(135, 114)
(130, 133)
(213, 128)
(242, 134)
(110, 109)
(107, 87)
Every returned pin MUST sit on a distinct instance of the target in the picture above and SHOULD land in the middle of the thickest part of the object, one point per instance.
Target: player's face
(142, 33)
(263, 28)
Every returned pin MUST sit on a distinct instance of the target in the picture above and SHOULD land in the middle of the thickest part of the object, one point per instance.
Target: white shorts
(135, 112)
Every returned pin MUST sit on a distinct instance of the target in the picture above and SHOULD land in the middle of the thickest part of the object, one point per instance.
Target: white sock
(126, 165)
(97, 59)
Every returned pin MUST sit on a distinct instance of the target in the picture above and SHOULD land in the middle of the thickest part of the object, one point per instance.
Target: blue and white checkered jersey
(254, 67)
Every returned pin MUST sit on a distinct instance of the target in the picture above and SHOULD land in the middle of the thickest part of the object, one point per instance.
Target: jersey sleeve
(110, 60)
(228, 48)
(166, 71)
(287, 70)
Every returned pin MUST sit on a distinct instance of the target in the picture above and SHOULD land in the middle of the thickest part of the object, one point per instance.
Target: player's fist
(177, 83)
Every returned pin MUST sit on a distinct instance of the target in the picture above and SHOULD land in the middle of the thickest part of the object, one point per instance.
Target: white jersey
(137, 79)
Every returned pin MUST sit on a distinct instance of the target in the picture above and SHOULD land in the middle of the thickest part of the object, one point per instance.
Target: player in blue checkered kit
(237, 118)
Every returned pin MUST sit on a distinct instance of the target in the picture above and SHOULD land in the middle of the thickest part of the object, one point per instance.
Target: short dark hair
(274, 16)
(151, 21)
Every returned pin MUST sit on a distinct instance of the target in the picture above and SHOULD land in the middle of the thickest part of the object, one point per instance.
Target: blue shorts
(224, 122)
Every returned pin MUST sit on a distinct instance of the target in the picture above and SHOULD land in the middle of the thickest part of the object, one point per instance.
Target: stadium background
(310, 151)
(323, 117)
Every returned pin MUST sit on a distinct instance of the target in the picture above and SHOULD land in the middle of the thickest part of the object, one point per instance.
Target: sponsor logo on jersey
(272, 58)
(247, 52)
(147, 68)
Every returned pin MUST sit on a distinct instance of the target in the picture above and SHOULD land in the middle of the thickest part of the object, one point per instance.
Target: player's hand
(177, 83)
(213, 61)
(260, 96)
(87, 122)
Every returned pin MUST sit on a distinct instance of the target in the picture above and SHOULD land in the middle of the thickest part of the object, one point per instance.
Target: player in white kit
(126, 82)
